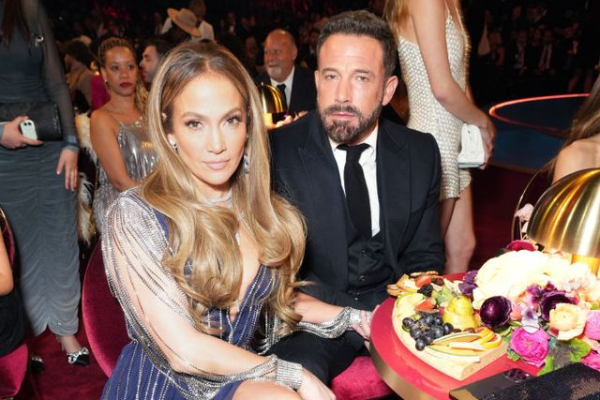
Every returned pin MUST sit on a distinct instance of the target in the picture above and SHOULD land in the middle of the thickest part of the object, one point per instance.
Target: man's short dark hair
(363, 23)
(162, 46)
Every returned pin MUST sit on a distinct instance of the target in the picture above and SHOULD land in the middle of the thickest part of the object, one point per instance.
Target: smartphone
(481, 389)
(28, 129)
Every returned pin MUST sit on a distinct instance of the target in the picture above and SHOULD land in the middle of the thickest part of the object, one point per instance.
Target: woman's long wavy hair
(586, 122)
(395, 12)
(205, 235)
(141, 94)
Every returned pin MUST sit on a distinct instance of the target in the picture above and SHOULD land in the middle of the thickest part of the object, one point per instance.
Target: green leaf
(511, 355)
(548, 365)
(578, 349)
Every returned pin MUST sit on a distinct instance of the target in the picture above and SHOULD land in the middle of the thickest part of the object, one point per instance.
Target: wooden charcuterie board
(457, 369)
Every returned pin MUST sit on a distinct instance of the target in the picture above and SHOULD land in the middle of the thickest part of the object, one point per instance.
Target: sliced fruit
(456, 337)
(489, 337)
(426, 305)
(423, 280)
(405, 304)
(453, 354)
(497, 341)
(476, 345)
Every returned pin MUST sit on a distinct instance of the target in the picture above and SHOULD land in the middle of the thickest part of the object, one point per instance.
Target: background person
(295, 82)
(581, 149)
(117, 129)
(153, 53)
(37, 179)
(432, 45)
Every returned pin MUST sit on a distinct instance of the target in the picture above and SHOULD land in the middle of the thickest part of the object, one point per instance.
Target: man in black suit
(296, 83)
(356, 248)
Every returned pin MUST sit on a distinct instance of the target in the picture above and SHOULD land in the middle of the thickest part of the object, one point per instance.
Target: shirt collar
(288, 81)
(371, 140)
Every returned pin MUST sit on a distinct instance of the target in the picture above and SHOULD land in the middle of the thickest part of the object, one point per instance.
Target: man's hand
(68, 163)
(12, 137)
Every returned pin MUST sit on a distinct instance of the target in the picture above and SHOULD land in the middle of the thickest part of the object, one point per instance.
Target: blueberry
(438, 320)
(428, 337)
(420, 344)
(429, 319)
(408, 323)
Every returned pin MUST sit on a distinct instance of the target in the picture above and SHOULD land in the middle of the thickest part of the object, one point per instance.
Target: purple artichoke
(550, 300)
(495, 311)
(468, 284)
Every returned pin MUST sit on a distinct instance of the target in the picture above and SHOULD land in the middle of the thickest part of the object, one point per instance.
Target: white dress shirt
(368, 163)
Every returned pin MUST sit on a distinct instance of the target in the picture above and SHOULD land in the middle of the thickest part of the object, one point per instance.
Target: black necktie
(357, 195)
(281, 88)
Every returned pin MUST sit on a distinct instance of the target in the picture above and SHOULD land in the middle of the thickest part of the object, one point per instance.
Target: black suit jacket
(304, 92)
(408, 178)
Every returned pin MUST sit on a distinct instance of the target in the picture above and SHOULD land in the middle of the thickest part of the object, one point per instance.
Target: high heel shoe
(80, 357)
(36, 364)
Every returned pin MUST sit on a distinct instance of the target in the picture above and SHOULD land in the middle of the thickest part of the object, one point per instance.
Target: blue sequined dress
(133, 245)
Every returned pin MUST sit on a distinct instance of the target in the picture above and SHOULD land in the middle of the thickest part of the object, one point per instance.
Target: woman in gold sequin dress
(433, 51)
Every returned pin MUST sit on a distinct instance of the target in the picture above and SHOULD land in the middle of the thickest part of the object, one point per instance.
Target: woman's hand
(364, 327)
(12, 137)
(488, 134)
(68, 163)
(314, 389)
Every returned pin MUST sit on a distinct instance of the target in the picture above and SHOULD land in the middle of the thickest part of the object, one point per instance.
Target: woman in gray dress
(117, 129)
(37, 180)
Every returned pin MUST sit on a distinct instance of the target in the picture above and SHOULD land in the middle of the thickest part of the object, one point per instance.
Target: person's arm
(133, 245)
(56, 87)
(103, 134)
(6, 276)
(55, 82)
(429, 22)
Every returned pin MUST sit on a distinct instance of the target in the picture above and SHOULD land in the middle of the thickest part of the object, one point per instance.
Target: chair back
(103, 317)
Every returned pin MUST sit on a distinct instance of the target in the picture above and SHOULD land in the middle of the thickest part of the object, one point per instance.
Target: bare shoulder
(581, 154)
(102, 119)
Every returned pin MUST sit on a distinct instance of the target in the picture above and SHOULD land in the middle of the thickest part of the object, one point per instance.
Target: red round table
(412, 378)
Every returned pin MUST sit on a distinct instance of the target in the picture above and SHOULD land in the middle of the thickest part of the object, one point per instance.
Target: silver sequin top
(140, 159)
(427, 114)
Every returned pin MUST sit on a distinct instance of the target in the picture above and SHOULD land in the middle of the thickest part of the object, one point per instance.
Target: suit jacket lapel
(393, 180)
(323, 182)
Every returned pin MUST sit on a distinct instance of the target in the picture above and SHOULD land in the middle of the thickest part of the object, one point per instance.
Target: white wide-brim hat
(185, 19)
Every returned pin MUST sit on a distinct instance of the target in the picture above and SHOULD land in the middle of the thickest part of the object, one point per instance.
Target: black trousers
(325, 358)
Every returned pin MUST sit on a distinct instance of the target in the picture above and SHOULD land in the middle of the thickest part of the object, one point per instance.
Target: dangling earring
(174, 145)
(106, 84)
(246, 162)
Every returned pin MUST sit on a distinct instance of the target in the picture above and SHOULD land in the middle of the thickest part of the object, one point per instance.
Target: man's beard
(343, 132)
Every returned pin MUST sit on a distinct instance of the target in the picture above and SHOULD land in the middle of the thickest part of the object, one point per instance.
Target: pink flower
(517, 245)
(592, 360)
(592, 325)
(532, 347)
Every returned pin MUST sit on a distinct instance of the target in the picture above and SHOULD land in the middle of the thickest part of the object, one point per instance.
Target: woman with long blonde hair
(117, 129)
(203, 256)
(433, 49)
